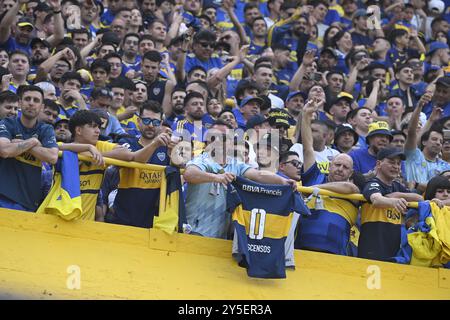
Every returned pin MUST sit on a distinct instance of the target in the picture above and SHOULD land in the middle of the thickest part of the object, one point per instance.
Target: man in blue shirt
(24, 144)
(379, 136)
(250, 106)
(203, 52)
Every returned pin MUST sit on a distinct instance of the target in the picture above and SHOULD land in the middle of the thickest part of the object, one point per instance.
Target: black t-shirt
(380, 234)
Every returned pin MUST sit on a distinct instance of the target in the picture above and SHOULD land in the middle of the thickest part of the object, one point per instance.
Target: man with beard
(191, 127)
(62, 132)
(25, 143)
(258, 42)
(40, 51)
(315, 231)
(381, 216)
(378, 137)
(292, 30)
(130, 57)
(130, 208)
(263, 77)
(294, 106)
(422, 165)
(176, 112)
(158, 89)
(327, 60)
(24, 28)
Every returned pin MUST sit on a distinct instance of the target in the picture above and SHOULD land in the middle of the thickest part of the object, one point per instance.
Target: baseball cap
(390, 153)
(360, 13)
(378, 127)
(60, 120)
(346, 128)
(296, 93)
(39, 40)
(445, 81)
(436, 45)
(250, 99)
(25, 22)
(330, 50)
(255, 121)
(341, 96)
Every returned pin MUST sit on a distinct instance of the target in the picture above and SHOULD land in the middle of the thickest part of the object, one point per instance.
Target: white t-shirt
(323, 158)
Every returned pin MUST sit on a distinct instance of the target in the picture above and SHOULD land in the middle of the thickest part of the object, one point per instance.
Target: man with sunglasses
(290, 166)
(203, 52)
(129, 207)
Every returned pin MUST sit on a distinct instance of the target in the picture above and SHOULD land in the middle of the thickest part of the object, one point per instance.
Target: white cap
(436, 4)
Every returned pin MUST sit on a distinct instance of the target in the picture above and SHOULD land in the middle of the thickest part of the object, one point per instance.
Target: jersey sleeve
(104, 146)
(371, 188)
(6, 130)
(313, 176)
(48, 138)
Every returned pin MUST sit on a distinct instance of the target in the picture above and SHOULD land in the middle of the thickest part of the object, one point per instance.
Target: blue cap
(255, 121)
(436, 45)
(296, 93)
(249, 99)
(390, 153)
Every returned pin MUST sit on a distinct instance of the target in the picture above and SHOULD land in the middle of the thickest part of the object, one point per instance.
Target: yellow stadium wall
(38, 252)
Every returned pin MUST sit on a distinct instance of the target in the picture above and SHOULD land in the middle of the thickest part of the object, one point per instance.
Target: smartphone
(316, 76)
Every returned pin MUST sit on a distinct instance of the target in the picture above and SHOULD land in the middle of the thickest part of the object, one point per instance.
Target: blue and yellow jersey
(328, 228)
(193, 132)
(91, 177)
(139, 192)
(129, 125)
(21, 176)
(380, 227)
(262, 216)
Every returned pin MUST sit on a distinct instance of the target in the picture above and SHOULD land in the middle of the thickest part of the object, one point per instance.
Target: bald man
(328, 228)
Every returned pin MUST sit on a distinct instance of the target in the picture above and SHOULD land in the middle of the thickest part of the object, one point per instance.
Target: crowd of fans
(351, 96)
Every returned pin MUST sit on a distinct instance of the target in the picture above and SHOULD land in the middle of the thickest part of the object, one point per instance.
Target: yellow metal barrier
(307, 190)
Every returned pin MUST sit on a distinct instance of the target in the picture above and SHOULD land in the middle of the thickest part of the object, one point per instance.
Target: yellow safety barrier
(307, 190)
(354, 196)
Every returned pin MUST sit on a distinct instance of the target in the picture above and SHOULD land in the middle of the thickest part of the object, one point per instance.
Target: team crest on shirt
(156, 91)
(161, 156)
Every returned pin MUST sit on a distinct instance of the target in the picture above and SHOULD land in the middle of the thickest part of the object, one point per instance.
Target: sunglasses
(207, 44)
(295, 163)
(153, 122)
